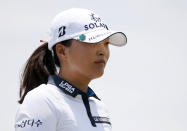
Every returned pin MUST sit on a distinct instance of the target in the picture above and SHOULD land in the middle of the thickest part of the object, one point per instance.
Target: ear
(61, 51)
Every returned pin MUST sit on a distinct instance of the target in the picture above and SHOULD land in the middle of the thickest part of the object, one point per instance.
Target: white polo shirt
(60, 106)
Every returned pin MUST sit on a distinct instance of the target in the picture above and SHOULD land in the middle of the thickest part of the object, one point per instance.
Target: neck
(80, 82)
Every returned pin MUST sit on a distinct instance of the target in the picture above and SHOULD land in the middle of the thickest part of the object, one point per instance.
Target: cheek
(81, 60)
(108, 53)
(83, 64)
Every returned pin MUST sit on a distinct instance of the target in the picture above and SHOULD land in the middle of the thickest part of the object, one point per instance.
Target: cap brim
(115, 38)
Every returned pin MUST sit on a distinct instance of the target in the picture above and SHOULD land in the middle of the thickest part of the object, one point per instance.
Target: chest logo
(99, 119)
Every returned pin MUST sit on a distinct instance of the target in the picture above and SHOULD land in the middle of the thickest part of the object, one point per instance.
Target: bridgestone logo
(67, 87)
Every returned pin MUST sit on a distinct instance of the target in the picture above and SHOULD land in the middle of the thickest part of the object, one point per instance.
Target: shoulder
(44, 92)
(36, 107)
(36, 94)
(37, 100)
(44, 97)
(39, 91)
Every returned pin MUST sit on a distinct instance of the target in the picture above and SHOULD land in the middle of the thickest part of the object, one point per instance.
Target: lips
(100, 61)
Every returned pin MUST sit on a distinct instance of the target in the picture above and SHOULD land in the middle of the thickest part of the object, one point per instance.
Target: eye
(107, 43)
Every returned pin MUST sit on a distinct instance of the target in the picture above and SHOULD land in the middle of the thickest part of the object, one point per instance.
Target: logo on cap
(96, 19)
(82, 37)
(61, 31)
(96, 24)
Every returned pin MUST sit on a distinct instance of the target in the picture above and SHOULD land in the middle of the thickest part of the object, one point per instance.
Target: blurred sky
(145, 82)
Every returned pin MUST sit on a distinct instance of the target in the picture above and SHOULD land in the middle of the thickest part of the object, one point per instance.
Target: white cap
(83, 25)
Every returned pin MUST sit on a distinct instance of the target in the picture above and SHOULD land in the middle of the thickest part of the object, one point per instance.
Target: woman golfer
(54, 93)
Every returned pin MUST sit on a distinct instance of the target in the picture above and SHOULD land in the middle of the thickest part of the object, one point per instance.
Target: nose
(102, 49)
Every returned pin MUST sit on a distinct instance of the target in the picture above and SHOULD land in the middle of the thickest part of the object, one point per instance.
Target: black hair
(38, 67)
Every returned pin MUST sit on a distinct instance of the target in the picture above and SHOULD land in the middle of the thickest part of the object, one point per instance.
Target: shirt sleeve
(35, 114)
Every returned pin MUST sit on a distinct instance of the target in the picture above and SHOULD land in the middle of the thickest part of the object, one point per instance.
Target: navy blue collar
(68, 88)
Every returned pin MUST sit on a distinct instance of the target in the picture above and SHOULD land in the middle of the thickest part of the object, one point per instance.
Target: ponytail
(39, 66)
(37, 70)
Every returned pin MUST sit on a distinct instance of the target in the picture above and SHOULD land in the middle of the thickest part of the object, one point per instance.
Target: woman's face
(87, 60)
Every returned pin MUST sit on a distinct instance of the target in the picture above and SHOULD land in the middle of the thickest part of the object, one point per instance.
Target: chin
(98, 74)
